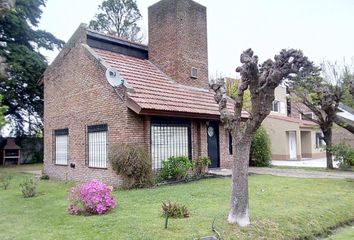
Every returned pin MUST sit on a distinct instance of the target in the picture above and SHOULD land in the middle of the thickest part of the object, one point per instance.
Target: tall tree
(118, 18)
(322, 93)
(20, 46)
(261, 82)
(3, 109)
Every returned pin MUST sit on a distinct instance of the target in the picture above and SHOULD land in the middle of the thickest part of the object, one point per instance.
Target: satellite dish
(113, 77)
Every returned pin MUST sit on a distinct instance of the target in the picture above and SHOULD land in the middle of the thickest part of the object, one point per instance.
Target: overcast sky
(323, 29)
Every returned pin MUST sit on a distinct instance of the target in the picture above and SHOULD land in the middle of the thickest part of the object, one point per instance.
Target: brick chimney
(178, 41)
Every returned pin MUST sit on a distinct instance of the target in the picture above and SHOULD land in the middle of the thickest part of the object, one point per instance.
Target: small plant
(90, 198)
(343, 153)
(175, 168)
(133, 164)
(44, 177)
(174, 210)
(260, 155)
(200, 165)
(5, 180)
(29, 187)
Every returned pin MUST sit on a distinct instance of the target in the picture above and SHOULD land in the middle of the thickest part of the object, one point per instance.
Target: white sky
(323, 29)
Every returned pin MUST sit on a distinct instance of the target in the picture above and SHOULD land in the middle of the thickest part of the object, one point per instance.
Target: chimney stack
(178, 41)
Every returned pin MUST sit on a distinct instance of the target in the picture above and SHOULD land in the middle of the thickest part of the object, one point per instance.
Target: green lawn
(345, 234)
(280, 208)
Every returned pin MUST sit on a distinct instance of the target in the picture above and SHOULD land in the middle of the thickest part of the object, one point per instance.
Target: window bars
(169, 138)
(61, 142)
(97, 146)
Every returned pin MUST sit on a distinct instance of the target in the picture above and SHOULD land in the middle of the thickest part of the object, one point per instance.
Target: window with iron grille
(97, 146)
(61, 141)
(169, 138)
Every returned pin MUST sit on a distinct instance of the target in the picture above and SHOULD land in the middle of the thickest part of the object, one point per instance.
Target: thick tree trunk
(327, 135)
(239, 197)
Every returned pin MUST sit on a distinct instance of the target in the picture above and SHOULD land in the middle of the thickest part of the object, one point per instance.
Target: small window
(319, 140)
(61, 137)
(307, 116)
(194, 72)
(97, 146)
(230, 144)
(276, 106)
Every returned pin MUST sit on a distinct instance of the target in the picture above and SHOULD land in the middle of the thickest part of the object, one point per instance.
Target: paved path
(300, 173)
(35, 172)
(318, 163)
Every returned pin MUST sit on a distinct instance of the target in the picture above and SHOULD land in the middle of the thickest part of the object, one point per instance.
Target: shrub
(89, 198)
(343, 153)
(29, 187)
(44, 177)
(133, 164)
(200, 165)
(5, 180)
(175, 168)
(260, 154)
(174, 210)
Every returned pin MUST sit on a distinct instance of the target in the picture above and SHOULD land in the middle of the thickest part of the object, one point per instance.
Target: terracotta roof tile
(153, 90)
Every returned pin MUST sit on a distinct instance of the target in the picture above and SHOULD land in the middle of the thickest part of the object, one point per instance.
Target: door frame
(292, 135)
(216, 126)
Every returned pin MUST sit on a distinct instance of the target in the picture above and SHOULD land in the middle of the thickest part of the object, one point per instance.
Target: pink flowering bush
(93, 197)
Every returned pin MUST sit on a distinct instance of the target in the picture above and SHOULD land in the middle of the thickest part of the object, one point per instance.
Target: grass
(344, 234)
(280, 208)
(314, 168)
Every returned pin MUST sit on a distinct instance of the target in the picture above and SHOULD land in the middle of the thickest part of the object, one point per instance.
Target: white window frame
(97, 146)
(319, 142)
(304, 118)
(61, 146)
(169, 139)
(277, 103)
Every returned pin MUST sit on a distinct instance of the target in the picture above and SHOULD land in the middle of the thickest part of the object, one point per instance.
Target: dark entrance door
(213, 144)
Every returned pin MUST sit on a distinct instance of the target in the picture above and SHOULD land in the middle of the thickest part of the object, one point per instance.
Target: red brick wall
(225, 157)
(178, 40)
(77, 95)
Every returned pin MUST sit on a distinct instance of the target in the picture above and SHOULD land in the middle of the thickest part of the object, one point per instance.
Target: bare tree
(261, 80)
(322, 95)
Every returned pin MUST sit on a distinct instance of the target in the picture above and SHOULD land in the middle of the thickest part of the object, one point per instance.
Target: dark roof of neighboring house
(156, 94)
(303, 123)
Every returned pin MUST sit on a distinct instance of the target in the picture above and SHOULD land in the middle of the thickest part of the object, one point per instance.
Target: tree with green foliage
(20, 45)
(3, 109)
(118, 18)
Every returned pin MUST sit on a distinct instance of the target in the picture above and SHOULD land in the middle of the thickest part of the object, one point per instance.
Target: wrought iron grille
(61, 146)
(169, 138)
(97, 146)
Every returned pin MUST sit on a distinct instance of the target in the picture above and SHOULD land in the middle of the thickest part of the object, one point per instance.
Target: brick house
(164, 106)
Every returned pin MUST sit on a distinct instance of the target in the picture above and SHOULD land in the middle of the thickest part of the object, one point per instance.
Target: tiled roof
(156, 92)
(303, 123)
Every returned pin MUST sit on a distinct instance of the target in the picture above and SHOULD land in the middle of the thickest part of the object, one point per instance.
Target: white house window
(276, 106)
(97, 146)
(61, 140)
(169, 138)
(319, 140)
